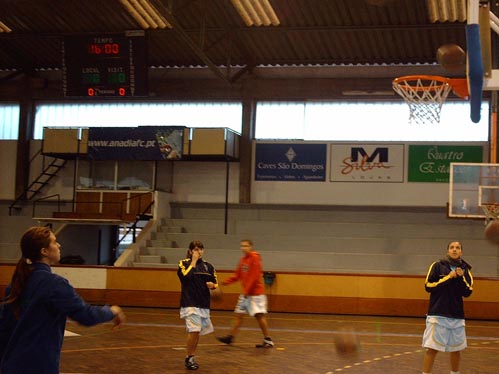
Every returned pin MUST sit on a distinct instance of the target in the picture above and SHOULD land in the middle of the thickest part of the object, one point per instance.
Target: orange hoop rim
(407, 79)
(459, 85)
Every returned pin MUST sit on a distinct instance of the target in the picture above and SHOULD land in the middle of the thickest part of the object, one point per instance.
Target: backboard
(472, 185)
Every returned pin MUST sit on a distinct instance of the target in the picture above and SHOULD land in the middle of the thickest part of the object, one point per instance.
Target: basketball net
(491, 212)
(425, 95)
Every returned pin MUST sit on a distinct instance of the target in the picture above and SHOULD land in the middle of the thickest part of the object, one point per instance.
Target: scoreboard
(105, 65)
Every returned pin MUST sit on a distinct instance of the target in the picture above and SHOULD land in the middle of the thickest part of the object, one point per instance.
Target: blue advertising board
(135, 143)
(290, 162)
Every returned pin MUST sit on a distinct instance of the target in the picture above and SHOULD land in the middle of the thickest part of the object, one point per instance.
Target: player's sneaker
(191, 364)
(225, 339)
(267, 343)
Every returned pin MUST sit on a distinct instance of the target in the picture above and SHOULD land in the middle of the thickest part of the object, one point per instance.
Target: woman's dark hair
(192, 245)
(32, 242)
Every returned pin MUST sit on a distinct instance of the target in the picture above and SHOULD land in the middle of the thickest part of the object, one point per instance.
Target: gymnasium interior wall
(357, 294)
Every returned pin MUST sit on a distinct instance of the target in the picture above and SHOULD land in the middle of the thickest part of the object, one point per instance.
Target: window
(116, 175)
(189, 114)
(365, 121)
(9, 121)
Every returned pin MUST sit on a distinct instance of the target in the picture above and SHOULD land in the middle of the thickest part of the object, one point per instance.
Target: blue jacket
(32, 344)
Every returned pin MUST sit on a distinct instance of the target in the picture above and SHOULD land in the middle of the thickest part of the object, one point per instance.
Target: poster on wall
(135, 143)
(383, 163)
(290, 162)
(431, 163)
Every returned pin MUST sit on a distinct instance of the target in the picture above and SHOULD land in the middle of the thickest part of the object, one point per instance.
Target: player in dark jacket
(33, 315)
(197, 277)
(447, 281)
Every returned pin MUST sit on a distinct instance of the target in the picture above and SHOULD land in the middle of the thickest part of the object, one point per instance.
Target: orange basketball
(346, 342)
(492, 231)
(451, 57)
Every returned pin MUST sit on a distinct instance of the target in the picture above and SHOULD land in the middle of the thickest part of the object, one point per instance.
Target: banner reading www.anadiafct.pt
(135, 143)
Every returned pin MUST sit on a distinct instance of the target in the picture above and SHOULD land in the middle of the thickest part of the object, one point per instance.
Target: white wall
(205, 182)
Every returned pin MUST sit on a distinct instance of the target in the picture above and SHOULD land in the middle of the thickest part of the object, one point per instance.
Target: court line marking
(396, 355)
(309, 331)
(488, 341)
(270, 317)
(304, 331)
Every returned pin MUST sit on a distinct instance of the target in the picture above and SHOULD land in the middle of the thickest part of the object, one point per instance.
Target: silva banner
(374, 163)
(290, 162)
(135, 143)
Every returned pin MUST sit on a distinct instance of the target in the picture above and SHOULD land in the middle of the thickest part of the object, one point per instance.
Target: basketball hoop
(491, 212)
(425, 95)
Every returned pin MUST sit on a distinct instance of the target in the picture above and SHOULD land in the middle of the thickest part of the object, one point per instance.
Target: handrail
(134, 226)
(36, 154)
(140, 202)
(120, 212)
(104, 203)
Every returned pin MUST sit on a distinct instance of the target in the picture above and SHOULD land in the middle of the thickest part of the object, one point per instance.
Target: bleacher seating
(385, 240)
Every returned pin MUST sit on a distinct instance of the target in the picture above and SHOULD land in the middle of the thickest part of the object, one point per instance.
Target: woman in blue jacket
(33, 314)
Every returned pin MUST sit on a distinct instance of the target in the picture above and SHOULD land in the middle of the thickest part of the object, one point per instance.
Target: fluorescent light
(158, 18)
(446, 10)
(145, 14)
(242, 12)
(4, 27)
(256, 12)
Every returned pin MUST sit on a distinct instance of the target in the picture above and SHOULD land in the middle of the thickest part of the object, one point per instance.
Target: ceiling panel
(311, 32)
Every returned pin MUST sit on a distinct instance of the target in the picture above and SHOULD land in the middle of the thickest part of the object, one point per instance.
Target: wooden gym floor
(153, 342)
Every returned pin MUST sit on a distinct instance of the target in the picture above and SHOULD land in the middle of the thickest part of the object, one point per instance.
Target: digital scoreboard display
(108, 65)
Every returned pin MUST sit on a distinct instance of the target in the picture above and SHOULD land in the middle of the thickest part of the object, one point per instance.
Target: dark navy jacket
(446, 294)
(195, 293)
(32, 344)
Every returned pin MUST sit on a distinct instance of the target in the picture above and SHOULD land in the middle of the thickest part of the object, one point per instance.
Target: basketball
(492, 231)
(346, 342)
(451, 56)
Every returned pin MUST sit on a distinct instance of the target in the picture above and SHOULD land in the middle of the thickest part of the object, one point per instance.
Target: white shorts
(444, 334)
(251, 305)
(197, 320)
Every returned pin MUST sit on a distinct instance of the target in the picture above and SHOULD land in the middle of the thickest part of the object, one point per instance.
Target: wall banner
(290, 162)
(367, 163)
(431, 163)
(135, 143)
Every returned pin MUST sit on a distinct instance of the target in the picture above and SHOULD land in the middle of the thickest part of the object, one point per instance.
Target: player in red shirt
(253, 300)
